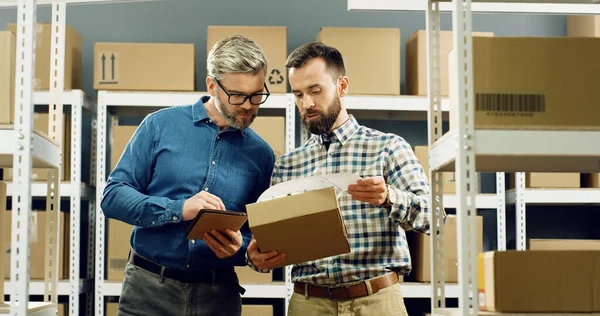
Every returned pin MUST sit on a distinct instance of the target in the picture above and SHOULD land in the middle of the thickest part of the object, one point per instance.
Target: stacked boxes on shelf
(373, 66)
(73, 80)
(41, 82)
(416, 62)
(554, 275)
(515, 88)
(144, 66)
(420, 244)
(37, 245)
(585, 26)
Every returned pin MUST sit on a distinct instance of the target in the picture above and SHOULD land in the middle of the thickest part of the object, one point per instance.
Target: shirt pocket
(238, 183)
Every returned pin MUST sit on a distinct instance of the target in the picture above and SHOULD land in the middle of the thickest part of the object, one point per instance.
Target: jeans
(146, 293)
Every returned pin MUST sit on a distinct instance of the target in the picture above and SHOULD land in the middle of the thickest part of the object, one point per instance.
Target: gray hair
(235, 54)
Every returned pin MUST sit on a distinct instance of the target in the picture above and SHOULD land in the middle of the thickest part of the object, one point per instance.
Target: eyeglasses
(240, 98)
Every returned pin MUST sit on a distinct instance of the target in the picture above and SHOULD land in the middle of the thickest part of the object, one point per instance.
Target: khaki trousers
(387, 301)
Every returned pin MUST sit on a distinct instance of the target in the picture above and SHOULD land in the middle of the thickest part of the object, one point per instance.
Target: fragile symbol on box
(110, 68)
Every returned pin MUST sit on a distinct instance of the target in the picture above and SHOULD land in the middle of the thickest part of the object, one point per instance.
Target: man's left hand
(224, 245)
(372, 190)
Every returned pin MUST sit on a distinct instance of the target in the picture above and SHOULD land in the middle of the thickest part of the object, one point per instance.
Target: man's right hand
(202, 200)
(261, 260)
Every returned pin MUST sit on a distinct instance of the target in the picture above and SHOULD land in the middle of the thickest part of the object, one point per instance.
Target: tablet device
(208, 220)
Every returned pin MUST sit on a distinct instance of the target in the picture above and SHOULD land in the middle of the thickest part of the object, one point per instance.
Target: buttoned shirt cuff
(251, 265)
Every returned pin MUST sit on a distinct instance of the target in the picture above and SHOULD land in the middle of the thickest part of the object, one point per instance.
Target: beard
(323, 125)
(231, 116)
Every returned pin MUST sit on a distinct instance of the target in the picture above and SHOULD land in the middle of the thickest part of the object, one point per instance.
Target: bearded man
(184, 159)
(390, 198)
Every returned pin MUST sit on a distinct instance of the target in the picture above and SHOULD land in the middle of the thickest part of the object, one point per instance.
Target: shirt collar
(199, 114)
(198, 110)
(342, 133)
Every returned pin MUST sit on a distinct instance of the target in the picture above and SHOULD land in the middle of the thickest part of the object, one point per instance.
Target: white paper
(339, 181)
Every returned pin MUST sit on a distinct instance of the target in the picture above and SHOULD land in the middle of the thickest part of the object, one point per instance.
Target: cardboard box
(111, 309)
(547, 180)
(144, 66)
(564, 244)
(117, 253)
(591, 180)
(272, 40)
(257, 310)
(416, 61)
(40, 123)
(272, 130)
(4, 258)
(316, 211)
(539, 281)
(119, 233)
(516, 89)
(8, 50)
(63, 309)
(583, 26)
(247, 275)
(448, 179)
(121, 136)
(373, 66)
(37, 245)
(419, 245)
(73, 71)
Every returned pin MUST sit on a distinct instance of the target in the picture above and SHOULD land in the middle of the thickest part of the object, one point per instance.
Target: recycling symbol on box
(275, 77)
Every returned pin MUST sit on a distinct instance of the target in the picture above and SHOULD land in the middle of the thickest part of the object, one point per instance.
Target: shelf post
(434, 122)
(22, 158)
(466, 180)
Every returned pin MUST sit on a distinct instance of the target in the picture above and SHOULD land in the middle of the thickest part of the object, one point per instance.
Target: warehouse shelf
(63, 287)
(468, 150)
(506, 6)
(33, 309)
(144, 102)
(69, 97)
(46, 153)
(524, 150)
(482, 201)
(67, 190)
(556, 196)
(381, 107)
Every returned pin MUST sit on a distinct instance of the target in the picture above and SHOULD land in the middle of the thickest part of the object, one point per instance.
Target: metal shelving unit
(26, 150)
(140, 103)
(467, 150)
(46, 153)
(576, 196)
(78, 102)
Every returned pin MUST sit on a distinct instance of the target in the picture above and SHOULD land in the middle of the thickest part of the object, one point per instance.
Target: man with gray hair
(179, 161)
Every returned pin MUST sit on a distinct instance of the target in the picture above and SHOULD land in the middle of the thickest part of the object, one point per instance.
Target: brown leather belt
(347, 292)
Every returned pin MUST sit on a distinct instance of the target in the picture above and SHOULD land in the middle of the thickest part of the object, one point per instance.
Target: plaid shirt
(376, 235)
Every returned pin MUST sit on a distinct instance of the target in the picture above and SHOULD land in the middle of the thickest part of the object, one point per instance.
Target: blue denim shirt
(174, 154)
